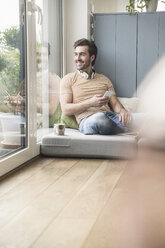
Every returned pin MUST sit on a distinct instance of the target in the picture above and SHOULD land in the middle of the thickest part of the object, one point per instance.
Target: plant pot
(152, 5)
(11, 130)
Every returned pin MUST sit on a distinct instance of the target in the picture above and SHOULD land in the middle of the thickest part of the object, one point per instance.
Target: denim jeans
(108, 123)
(102, 123)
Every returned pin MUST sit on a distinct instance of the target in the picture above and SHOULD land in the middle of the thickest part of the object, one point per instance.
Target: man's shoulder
(102, 76)
(70, 76)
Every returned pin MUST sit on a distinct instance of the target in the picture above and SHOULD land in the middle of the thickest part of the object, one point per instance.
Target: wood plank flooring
(83, 203)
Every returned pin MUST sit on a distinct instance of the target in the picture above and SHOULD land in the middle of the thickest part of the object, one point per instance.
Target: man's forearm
(69, 108)
(115, 104)
(75, 108)
(118, 107)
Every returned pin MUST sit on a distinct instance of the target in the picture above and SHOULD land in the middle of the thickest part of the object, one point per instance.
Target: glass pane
(48, 49)
(12, 77)
(161, 6)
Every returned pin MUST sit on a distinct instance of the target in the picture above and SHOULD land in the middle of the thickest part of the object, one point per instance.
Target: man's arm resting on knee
(117, 107)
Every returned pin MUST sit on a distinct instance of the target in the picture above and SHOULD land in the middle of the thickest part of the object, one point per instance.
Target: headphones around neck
(85, 75)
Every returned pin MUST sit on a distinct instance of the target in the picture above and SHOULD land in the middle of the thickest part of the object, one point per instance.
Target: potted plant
(136, 6)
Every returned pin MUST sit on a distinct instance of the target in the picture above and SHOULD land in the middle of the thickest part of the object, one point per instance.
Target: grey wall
(128, 47)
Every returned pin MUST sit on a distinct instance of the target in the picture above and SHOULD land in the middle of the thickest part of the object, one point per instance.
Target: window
(30, 70)
(12, 77)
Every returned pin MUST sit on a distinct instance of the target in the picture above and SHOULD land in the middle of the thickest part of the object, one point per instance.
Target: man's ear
(92, 57)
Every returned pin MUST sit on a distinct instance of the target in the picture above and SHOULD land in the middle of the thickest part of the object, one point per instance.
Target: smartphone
(108, 93)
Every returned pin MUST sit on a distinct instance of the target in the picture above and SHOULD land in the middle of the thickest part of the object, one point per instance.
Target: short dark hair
(92, 48)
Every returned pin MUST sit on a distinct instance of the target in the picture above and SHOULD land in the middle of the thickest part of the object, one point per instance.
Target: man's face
(82, 58)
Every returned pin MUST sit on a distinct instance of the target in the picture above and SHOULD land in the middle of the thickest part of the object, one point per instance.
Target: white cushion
(131, 104)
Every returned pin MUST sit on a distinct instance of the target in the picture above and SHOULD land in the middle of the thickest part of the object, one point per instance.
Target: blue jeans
(102, 123)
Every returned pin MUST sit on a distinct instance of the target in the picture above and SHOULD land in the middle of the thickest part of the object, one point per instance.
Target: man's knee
(102, 122)
(93, 124)
(103, 125)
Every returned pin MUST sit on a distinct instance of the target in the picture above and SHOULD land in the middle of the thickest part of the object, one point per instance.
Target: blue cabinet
(128, 47)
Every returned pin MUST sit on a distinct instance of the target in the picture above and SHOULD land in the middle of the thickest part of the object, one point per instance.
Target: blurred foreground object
(152, 95)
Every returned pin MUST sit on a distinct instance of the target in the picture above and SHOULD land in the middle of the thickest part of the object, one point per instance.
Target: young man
(82, 94)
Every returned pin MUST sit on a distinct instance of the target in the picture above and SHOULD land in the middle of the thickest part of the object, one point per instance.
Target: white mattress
(75, 144)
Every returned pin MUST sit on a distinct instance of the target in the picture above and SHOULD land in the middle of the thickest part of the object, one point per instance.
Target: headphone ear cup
(84, 75)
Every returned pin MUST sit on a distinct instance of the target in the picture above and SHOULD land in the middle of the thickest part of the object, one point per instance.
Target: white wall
(108, 6)
(76, 27)
(76, 23)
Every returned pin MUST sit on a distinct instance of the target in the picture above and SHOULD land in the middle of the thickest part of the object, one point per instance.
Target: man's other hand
(124, 116)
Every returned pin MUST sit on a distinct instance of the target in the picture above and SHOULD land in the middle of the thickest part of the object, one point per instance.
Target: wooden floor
(87, 203)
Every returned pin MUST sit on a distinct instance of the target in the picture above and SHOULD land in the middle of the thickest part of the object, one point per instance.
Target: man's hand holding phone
(108, 93)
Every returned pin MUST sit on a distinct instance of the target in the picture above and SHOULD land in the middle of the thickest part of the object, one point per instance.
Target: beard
(81, 65)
